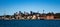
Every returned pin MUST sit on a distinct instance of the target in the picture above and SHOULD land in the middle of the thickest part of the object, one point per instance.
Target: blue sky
(11, 6)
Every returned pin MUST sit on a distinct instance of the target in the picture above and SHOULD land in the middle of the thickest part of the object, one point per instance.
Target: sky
(9, 7)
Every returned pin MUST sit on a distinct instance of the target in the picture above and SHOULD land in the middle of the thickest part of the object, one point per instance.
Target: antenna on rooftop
(4, 12)
(43, 11)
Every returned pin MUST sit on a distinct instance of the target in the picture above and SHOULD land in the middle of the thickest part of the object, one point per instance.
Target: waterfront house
(50, 16)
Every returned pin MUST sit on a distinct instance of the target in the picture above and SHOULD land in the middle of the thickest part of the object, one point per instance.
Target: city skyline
(11, 6)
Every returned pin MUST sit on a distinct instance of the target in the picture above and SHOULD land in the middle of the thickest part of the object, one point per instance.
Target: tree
(7, 16)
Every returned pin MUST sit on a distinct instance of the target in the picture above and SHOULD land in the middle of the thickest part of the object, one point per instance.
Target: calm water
(29, 23)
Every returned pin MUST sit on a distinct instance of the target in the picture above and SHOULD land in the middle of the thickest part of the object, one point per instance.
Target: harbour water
(29, 23)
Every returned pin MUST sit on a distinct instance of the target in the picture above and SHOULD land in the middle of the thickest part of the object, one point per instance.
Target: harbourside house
(17, 15)
(7, 17)
(50, 16)
(43, 16)
(57, 16)
(1, 17)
